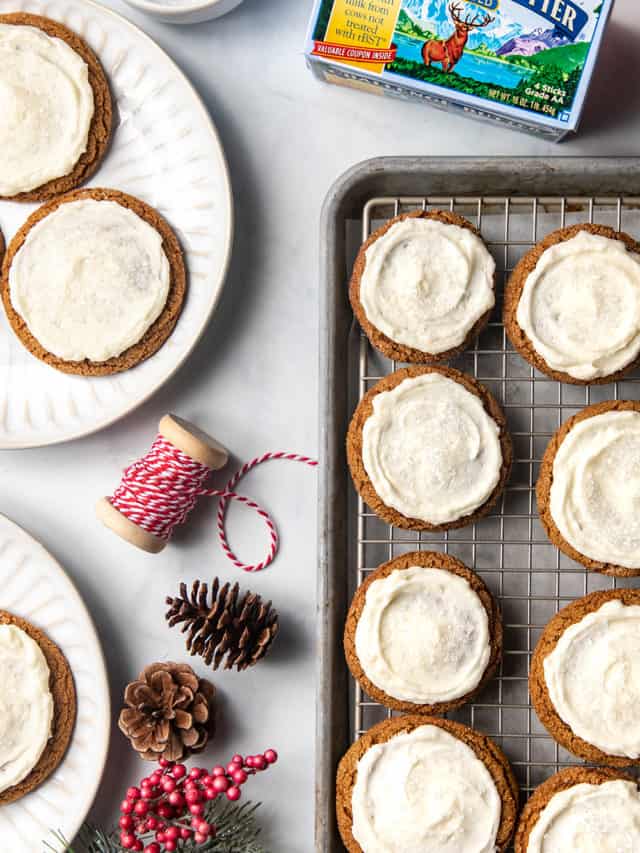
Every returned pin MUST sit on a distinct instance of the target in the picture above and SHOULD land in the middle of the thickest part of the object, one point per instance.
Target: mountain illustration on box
(431, 18)
(529, 43)
(464, 46)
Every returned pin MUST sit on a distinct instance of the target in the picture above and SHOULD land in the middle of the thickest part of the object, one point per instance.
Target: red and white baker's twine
(159, 491)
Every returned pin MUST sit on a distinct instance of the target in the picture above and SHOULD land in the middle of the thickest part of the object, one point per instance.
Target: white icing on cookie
(580, 306)
(593, 678)
(46, 108)
(426, 283)
(595, 491)
(423, 635)
(431, 450)
(90, 279)
(26, 705)
(589, 819)
(424, 791)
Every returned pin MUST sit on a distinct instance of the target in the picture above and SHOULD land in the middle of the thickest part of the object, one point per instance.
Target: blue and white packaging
(525, 63)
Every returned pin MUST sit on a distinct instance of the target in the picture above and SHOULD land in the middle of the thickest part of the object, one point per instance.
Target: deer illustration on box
(450, 52)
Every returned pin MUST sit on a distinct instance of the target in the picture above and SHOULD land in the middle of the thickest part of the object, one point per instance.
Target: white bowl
(184, 11)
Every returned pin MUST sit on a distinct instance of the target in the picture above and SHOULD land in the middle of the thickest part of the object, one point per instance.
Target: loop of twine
(159, 491)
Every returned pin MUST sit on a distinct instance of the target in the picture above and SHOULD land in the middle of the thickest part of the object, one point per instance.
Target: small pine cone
(223, 625)
(169, 712)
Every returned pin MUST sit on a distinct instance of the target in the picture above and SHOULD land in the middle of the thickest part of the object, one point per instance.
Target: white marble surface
(252, 380)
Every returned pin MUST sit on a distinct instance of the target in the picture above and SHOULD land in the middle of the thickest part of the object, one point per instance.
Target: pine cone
(170, 712)
(240, 628)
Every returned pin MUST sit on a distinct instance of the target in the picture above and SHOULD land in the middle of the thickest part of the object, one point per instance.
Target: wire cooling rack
(530, 578)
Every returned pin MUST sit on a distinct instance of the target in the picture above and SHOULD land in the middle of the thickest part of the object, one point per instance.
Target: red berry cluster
(170, 804)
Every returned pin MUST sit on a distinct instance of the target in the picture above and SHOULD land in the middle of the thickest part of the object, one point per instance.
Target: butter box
(524, 63)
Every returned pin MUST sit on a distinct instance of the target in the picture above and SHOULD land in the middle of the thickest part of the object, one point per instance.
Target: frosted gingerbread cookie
(56, 108)
(428, 784)
(605, 802)
(37, 707)
(572, 305)
(423, 634)
(94, 282)
(588, 488)
(423, 286)
(585, 679)
(428, 449)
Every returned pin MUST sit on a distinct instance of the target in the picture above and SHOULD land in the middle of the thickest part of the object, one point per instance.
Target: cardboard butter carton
(524, 63)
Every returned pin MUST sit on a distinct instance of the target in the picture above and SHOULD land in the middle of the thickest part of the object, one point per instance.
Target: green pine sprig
(237, 831)
(90, 839)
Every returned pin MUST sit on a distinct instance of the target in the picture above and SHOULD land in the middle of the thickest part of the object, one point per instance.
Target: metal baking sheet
(515, 202)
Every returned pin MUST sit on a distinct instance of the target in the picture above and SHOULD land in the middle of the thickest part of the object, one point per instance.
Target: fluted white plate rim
(76, 810)
(17, 443)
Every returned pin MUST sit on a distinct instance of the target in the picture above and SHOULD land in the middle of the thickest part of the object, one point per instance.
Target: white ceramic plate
(34, 586)
(166, 151)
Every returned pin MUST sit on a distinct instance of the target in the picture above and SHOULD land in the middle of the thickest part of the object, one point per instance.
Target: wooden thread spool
(192, 441)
